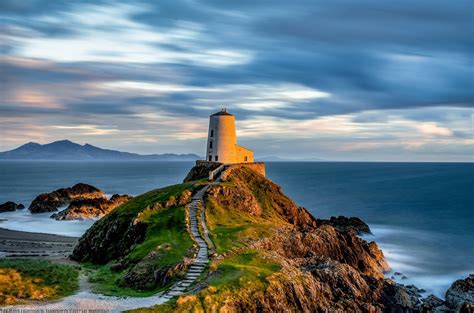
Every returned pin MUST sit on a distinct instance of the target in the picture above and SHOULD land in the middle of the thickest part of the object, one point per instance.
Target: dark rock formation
(50, 202)
(90, 208)
(430, 304)
(109, 239)
(344, 224)
(10, 206)
(145, 275)
(400, 298)
(460, 296)
(201, 170)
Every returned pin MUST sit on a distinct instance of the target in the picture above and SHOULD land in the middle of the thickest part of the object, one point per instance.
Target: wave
(413, 263)
(23, 220)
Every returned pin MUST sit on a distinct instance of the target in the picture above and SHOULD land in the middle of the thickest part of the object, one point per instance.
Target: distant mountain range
(68, 150)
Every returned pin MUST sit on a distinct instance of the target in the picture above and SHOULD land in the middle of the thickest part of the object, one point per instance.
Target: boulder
(10, 206)
(80, 209)
(50, 202)
(344, 224)
(431, 304)
(460, 296)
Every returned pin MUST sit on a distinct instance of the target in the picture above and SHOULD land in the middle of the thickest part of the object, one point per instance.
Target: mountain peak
(31, 144)
(63, 142)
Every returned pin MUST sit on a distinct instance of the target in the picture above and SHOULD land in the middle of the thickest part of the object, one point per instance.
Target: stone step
(178, 289)
(197, 266)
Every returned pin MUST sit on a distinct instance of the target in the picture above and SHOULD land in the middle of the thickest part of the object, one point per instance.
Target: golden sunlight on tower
(222, 141)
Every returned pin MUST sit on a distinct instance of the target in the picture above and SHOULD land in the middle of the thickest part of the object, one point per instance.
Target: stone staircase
(202, 259)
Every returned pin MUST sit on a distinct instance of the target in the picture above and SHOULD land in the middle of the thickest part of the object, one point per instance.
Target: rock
(460, 296)
(80, 209)
(109, 238)
(146, 275)
(400, 298)
(10, 206)
(328, 242)
(50, 202)
(430, 303)
(343, 223)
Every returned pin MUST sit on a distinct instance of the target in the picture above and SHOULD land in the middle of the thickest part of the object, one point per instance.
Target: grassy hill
(270, 253)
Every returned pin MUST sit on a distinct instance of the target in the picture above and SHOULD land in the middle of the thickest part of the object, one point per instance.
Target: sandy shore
(28, 244)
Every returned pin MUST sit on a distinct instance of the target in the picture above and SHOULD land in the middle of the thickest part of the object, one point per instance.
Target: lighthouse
(222, 144)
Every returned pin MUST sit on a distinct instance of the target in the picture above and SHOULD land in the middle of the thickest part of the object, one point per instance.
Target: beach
(27, 244)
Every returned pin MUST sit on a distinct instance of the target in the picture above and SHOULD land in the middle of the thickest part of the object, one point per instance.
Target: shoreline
(14, 243)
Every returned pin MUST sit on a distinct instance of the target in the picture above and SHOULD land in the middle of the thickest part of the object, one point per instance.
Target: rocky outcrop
(432, 304)
(201, 170)
(108, 239)
(460, 296)
(327, 243)
(114, 236)
(247, 192)
(145, 275)
(80, 209)
(50, 202)
(10, 206)
(299, 263)
(343, 223)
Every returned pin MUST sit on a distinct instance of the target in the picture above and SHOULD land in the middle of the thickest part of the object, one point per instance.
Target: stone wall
(201, 170)
(258, 167)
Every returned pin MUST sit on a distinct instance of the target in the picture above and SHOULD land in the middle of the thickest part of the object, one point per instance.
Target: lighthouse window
(212, 133)
(210, 144)
(210, 158)
(217, 158)
(245, 159)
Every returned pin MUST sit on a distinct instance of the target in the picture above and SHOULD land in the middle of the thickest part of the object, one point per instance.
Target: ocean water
(421, 214)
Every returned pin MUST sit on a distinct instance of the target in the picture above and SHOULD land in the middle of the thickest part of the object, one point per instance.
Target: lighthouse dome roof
(222, 112)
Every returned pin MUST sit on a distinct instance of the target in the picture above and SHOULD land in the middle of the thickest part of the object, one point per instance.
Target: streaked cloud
(337, 80)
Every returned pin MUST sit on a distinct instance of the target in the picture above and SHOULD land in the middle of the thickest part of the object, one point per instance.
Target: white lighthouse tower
(222, 144)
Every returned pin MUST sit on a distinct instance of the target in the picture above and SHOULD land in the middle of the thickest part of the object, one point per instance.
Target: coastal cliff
(269, 254)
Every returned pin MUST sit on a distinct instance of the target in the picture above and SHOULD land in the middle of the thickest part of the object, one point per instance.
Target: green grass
(39, 275)
(106, 282)
(166, 235)
(166, 232)
(136, 205)
(225, 238)
(240, 270)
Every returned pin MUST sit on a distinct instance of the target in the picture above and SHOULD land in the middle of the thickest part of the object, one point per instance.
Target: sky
(365, 80)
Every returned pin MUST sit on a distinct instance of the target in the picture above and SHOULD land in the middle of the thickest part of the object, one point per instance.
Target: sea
(420, 214)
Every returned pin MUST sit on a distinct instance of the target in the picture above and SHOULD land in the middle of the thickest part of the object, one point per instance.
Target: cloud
(369, 77)
(432, 129)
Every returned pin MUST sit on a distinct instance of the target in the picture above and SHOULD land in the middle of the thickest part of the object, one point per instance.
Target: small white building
(222, 144)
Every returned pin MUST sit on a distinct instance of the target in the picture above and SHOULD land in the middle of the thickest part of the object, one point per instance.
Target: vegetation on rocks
(141, 245)
(274, 256)
(270, 255)
(22, 280)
